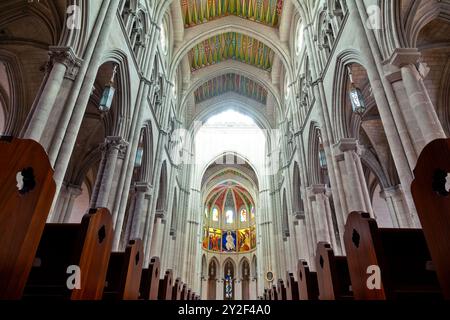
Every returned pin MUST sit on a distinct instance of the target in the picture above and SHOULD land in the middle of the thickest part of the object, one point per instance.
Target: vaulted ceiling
(231, 83)
(233, 46)
(197, 12)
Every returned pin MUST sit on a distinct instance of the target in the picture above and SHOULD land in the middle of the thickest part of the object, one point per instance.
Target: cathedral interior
(225, 149)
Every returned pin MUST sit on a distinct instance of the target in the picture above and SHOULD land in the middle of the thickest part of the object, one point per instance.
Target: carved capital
(67, 57)
(114, 143)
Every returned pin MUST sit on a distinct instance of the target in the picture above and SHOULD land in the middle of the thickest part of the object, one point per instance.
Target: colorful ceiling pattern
(231, 83)
(196, 12)
(231, 46)
(239, 196)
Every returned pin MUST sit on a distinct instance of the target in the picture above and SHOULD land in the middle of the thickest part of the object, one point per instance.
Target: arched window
(243, 214)
(229, 216)
(228, 280)
(215, 214)
(163, 41)
(299, 38)
(252, 213)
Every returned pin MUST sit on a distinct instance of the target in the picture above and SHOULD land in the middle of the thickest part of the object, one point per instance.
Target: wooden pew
(274, 293)
(150, 280)
(332, 274)
(401, 255)
(23, 213)
(433, 205)
(165, 286)
(291, 287)
(184, 292)
(124, 273)
(86, 245)
(281, 290)
(176, 289)
(266, 294)
(189, 294)
(307, 282)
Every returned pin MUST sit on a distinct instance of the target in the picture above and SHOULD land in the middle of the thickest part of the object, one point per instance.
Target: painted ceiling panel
(231, 46)
(196, 12)
(231, 83)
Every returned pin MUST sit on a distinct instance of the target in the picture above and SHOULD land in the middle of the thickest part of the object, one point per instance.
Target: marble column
(413, 72)
(396, 202)
(158, 231)
(139, 210)
(347, 155)
(110, 153)
(61, 61)
(321, 212)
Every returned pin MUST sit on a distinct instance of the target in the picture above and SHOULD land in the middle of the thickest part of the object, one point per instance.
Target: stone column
(65, 202)
(253, 289)
(238, 289)
(355, 187)
(110, 153)
(322, 214)
(413, 72)
(204, 286)
(158, 231)
(73, 193)
(395, 199)
(219, 289)
(61, 61)
(139, 210)
(301, 237)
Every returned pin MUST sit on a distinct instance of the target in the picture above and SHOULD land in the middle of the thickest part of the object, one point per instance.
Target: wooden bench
(291, 287)
(184, 292)
(176, 289)
(401, 255)
(281, 290)
(332, 274)
(23, 213)
(307, 282)
(432, 201)
(150, 280)
(274, 293)
(86, 245)
(166, 286)
(124, 273)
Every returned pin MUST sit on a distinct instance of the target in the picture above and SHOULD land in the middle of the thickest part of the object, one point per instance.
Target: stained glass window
(300, 38)
(252, 213)
(229, 216)
(244, 215)
(215, 214)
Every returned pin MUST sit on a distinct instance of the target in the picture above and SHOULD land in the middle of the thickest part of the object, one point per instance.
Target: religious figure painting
(244, 240)
(253, 238)
(229, 241)
(205, 241)
(215, 236)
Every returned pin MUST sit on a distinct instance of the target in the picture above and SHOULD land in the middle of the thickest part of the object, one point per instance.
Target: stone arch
(297, 199)
(174, 218)
(161, 202)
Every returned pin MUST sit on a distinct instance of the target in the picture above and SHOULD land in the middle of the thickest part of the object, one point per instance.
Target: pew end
(433, 205)
(124, 273)
(25, 165)
(166, 286)
(291, 287)
(401, 255)
(307, 282)
(333, 276)
(86, 245)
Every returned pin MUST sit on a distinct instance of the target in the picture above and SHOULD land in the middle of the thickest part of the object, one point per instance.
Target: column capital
(348, 144)
(391, 191)
(299, 215)
(404, 56)
(316, 189)
(67, 57)
(141, 186)
(112, 142)
(160, 214)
